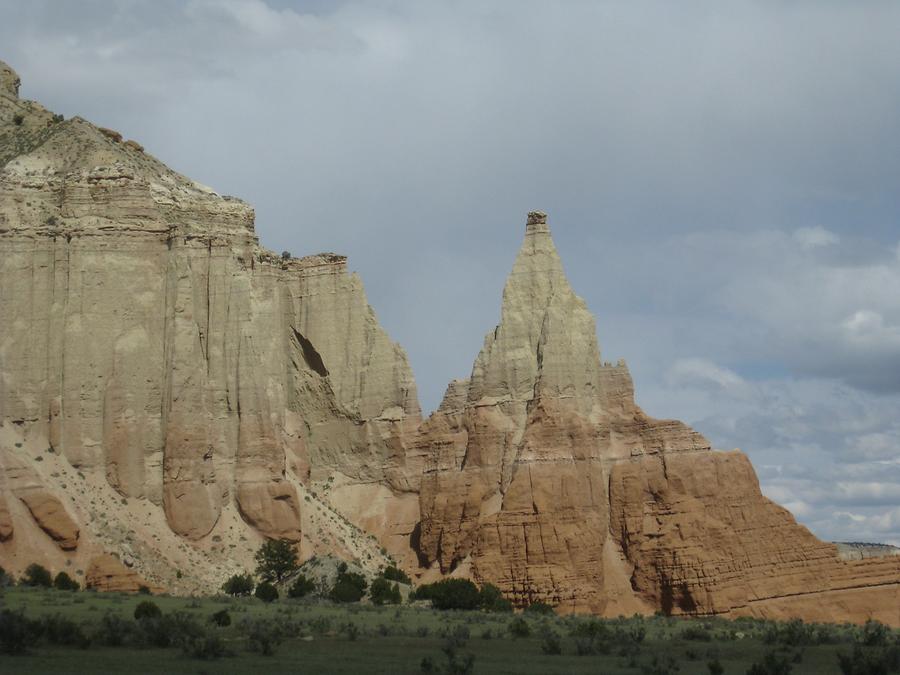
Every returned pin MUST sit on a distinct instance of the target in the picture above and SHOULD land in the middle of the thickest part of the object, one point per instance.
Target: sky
(721, 180)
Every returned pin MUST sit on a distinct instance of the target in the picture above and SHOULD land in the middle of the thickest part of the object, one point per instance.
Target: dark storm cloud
(721, 180)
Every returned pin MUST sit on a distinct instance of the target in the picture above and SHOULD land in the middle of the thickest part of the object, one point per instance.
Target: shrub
(492, 599)
(63, 632)
(875, 634)
(18, 119)
(64, 582)
(551, 643)
(871, 661)
(206, 647)
(772, 664)
(221, 618)
(263, 636)
(143, 590)
(275, 560)
(715, 667)
(301, 587)
(696, 633)
(392, 573)
(266, 592)
(17, 632)
(285, 255)
(384, 593)
(349, 586)
(351, 630)
(37, 575)
(147, 610)
(239, 585)
(113, 630)
(519, 628)
(450, 594)
(540, 608)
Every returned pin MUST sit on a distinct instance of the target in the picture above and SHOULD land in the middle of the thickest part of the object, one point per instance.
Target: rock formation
(544, 477)
(146, 338)
(171, 393)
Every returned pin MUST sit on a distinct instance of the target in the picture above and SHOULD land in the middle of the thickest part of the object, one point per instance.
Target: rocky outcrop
(106, 573)
(149, 339)
(543, 477)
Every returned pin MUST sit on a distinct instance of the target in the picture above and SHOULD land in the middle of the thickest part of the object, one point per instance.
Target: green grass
(394, 640)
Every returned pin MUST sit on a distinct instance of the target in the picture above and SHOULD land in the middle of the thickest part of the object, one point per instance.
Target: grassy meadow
(86, 632)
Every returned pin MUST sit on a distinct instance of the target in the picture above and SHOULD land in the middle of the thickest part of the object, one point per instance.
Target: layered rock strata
(544, 477)
(146, 337)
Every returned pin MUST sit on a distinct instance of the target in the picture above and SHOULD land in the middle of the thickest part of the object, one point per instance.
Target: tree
(392, 573)
(147, 610)
(349, 586)
(275, 560)
(301, 587)
(239, 584)
(492, 599)
(450, 594)
(37, 575)
(384, 593)
(64, 582)
(266, 592)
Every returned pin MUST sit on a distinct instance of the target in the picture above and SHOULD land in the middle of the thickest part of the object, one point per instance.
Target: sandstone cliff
(149, 344)
(543, 477)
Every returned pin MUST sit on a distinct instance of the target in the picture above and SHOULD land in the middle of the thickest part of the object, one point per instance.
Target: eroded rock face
(543, 477)
(107, 573)
(147, 336)
(518, 456)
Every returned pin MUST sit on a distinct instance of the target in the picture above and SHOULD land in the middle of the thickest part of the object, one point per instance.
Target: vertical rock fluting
(146, 337)
(543, 477)
(516, 479)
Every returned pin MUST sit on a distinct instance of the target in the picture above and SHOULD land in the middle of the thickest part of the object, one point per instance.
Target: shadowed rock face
(172, 393)
(543, 477)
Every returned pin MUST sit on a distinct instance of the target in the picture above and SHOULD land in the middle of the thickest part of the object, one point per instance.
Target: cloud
(721, 183)
(814, 237)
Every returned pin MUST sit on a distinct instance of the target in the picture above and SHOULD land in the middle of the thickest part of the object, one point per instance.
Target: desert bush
(114, 631)
(221, 618)
(793, 633)
(351, 631)
(207, 647)
(18, 119)
(17, 632)
(870, 661)
(450, 594)
(64, 582)
(550, 642)
(63, 632)
(143, 590)
(147, 610)
(37, 575)
(519, 628)
(384, 593)
(5, 579)
(773, 663)
(349, 586)
(715, 667)
(263, 635)
(660, 664)
(875, 634)
(540, 608)
(392, 573)
(492, 600)
(266, 592)
(239, 585)
(696, 633)
(275, 560)
(301, 587)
